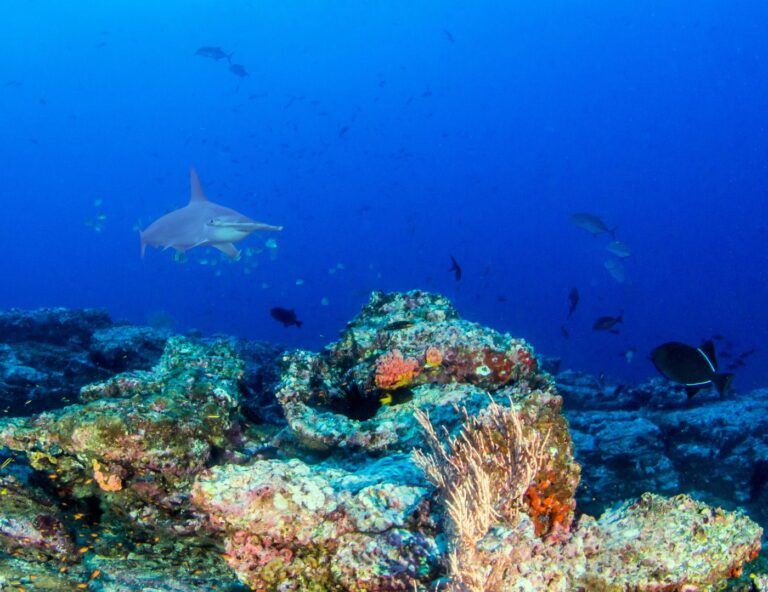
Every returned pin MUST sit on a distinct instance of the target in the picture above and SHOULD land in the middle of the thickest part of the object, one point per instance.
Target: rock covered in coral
(141, 437)
(166, 566)
(622, 455)
(400, 347)
(335, 503)
(261, 375)
(47, 355)
(650, 437)
(127, 347)
(57, 326)
(331, 403)
(645, 545)
(17, 574)
(293, 526)
(31, 525)
(656, 543)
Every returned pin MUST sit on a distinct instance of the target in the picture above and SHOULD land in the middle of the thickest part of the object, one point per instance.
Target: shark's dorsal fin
(196, 189)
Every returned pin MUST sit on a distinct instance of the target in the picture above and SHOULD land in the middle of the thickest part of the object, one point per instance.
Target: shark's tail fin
(143, 243)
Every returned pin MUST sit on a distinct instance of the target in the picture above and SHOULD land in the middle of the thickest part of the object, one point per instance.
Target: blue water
(472, 129)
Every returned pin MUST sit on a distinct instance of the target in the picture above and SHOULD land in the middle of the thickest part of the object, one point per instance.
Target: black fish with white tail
(694, 367)
(285, 316)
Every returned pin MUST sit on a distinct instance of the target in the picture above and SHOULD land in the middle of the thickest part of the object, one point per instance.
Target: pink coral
(394, 371)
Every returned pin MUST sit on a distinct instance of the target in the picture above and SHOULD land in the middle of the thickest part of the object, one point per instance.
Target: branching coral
(484, 475)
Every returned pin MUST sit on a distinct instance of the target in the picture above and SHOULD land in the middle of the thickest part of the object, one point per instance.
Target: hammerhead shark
(200, 223)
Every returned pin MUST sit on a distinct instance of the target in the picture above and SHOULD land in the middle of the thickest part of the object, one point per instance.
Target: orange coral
(433, 357)
(549, 514)
(107, 481)
(394, 371)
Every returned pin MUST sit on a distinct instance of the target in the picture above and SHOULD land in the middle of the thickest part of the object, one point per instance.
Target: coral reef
(231, 466)
(496, 544)
(401, 347)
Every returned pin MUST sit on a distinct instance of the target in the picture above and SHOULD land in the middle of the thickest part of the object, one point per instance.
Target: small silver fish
(616, 269)
(619, 249)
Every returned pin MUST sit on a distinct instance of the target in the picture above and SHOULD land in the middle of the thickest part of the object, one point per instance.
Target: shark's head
(229, 228)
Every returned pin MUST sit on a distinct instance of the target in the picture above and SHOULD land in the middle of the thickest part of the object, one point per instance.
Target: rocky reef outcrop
(217, 468)
(651, 437)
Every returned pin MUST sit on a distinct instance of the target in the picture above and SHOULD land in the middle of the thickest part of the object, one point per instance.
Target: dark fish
(449, 36)
(758, 479)
(726, 354)
(564, 331)
(285, 316)
(718, 337)
(215, 53)
(694, 367)
(455, 268)
(573, 301)
(343, 131)
(238, 70)
(745, 354)
(736, 364)
(608, 323)
(594, 225)
(398, 325)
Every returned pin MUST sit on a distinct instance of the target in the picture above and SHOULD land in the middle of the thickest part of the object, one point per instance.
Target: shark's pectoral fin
(228, 249)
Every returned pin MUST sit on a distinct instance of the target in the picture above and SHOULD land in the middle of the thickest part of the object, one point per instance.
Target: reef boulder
(294, 526)
(140, 437)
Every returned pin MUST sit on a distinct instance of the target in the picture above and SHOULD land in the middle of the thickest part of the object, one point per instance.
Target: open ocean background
(387, 137)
